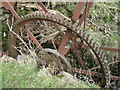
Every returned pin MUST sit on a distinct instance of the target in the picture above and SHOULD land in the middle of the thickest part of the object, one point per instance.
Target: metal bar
(89, 4)
(75, 17)
(42, 6)
(77, 11)
(91, 73)
(75, 51)
(9, 7)
(105, 49)
(113, 62)
(66, 37)
(33, 38)
(68, 34)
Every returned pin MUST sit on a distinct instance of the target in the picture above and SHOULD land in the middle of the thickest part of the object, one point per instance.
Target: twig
(10, 28)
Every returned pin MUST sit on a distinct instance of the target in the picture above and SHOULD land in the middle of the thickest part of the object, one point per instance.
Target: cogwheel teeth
(74, 26)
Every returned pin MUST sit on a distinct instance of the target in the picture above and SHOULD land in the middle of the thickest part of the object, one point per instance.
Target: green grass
(15, 75)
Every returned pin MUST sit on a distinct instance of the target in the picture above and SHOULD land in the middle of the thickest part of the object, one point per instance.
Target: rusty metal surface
(105, 49)
(91, 73)
(89, 4)
(75, 17)
(77, 54)
(9, 6)
(77, 11)
(62, 50)
(40, 16)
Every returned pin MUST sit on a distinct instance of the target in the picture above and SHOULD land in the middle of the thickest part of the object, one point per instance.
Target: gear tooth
(78, 29)
(46, 16)
(57, 18)
(97, 49)
(54, 17)
(70, 24)
(101, 55)
(49, 15)
(91, 41)
(66, 22)
(83, 35)
(104, 58)
(75, 26)
(94, 45)
(87, 37)
(99, 52)
(34, 15)
(41, 15)
(29, 16)
(61, 20)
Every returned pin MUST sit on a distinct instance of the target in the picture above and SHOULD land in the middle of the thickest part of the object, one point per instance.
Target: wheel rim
(66, 23)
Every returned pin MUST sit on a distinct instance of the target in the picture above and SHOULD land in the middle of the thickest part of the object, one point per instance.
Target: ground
(19, 74)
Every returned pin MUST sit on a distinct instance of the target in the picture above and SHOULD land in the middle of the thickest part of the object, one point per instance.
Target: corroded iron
(72, 27)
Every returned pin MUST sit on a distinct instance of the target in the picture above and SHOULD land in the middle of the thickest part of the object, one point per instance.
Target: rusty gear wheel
(73, 28)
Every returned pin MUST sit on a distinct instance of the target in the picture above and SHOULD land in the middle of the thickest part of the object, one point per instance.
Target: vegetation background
(102, 23)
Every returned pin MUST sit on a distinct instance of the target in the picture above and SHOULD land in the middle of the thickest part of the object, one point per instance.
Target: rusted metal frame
(75, 16)
(65, 39)
(9, 7)
(113, 62)
(105, 49)
(91, 73)
(33, 38)
(89, 4)
(77, 11)
(85, 16)
(114, 50)
(76, 53)
(45, 10)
